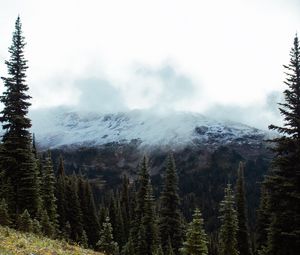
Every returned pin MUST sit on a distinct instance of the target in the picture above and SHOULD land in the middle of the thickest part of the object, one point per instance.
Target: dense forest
(175, 214)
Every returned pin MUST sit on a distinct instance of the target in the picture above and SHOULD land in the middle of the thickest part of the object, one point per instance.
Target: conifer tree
(60, 193)
(48, 192)
(17, 156)
(159, 251)
(73, 210)
(106, 244)
(169, 250)
(89, 215)
(148, 224)
(47, 227)
(229, 224)
(4, 216)
(170, 219)
(24, 222)
(125, 207)
(196, 239)
(243, 231)
(283, 181)
(263, 221)
(129, 248)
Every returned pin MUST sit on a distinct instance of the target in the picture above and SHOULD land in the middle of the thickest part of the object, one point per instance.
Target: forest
(140, 216)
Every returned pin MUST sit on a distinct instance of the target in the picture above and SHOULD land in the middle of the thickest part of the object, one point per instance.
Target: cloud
(259, 115)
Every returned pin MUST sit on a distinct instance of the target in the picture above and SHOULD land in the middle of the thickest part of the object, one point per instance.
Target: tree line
(37, 198)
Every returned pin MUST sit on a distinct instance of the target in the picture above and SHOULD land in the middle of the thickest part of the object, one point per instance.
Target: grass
(13, 242)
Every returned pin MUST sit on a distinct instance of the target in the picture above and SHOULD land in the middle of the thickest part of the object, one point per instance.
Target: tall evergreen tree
(243, 230)
(170, 220)
(196, 239)
(17, 156)
(60, 193)
(125, 207)
(4, 216)
(48, 191)
(229, 224)
(283, 181)
(106, 244)
(148, 224)
(73, 210)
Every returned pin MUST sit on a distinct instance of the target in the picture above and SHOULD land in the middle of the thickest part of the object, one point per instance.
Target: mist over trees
(139, 217)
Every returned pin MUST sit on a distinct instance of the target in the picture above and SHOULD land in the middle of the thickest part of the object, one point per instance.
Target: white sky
(210, 56)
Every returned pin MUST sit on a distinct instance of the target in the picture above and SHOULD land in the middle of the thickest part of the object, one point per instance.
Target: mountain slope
(13, 242)
(177, 129)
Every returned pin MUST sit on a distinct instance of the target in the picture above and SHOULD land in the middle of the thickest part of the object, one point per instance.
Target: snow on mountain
(60, 128)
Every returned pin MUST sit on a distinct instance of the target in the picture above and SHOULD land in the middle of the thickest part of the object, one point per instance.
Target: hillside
(16, 243)
(60, 127)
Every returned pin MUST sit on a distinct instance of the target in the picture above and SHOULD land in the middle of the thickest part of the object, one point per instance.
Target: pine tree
(169, 250)
(158, 251)
(17, 156)
(106, 243)
(263, 221)
(60, 194)
(283, 182)
(48, 192)
(243, 231)
(24, 222)
(170, 219)
(125, 207)
(88, 208)
(4, 216)
(196, 239)
(47, 226)
(229, 224)
(128, 248)
(148, 224)
(73, 211)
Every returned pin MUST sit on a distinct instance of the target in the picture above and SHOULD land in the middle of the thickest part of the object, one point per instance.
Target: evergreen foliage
(170, 219)
(283, 182)
(48, 228)
(106, 243)
(229, 224)
(243, 231)
(196, 239)
(73, 210)
(16, 156)
(48, 191)
(24, 222)
(4, 216)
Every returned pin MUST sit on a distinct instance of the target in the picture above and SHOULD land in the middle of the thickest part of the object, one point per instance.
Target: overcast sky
(221, 58)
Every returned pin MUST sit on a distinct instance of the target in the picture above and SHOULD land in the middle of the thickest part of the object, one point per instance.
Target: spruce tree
(48, 191)
(4, 216)
(106, 244)
(47, 226)
(125, 206)
(243, 231)
(24, 222)
(229, 224)
(148, 224)
(283, 182)
(196, 239)
(60, 193)
(170, 219)
(17, 156)
(73, 210)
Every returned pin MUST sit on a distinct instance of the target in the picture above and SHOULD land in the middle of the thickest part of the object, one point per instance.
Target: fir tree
(170, 219)
(17, 156)
(106, 244)
(4, 216)
(229, 224)
(283, 181)
(24, 222)
(47, 226)
(125, 207)
(148, 224)
(169, 250)
(243, 232)
(88, 208)
(60, 193)
(128, 248)
(73, 210)
(196, 239)
(48, 192)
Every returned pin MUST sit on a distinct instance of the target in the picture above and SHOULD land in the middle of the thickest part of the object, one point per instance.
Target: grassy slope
(13, 242)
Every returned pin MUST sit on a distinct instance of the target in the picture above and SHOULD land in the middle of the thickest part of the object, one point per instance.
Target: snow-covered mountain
(55, 129)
